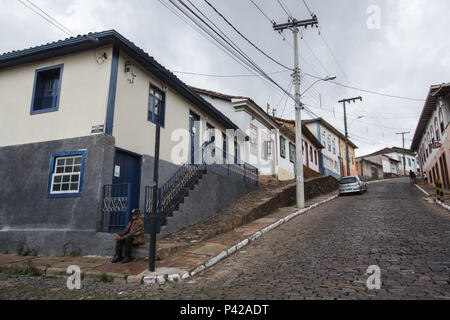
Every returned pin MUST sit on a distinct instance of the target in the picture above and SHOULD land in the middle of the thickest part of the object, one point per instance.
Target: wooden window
(46, 90)
(291, 153)
(441, 120)
(156, 105)
(282, 147)
(66, 174)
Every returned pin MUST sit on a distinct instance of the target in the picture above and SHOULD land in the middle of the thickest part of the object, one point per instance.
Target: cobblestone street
(323, 254)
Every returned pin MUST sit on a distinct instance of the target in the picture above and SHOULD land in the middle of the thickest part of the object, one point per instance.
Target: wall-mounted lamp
(127, 66)
(101, 58)
(128, 69)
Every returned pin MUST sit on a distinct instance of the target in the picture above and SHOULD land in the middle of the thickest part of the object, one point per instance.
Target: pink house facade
(432, 137)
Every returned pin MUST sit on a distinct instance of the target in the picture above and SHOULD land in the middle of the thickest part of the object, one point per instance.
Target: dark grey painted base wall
(213, 193)
(56, 226)
(49, 222)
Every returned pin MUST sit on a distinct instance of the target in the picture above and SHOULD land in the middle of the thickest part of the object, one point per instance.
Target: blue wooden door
(127, 169)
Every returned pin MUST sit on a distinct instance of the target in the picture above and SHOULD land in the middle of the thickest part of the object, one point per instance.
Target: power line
(251, 43)
(332, 54)
(226, 76)
(315, 56)
(47, 17)
(306, 5)
(367, 91)
(285, 8)
(287, 98)
(262, 12)
(205, 34)
(231, 47)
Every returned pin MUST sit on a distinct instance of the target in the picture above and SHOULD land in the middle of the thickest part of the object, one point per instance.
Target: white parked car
(352, 185)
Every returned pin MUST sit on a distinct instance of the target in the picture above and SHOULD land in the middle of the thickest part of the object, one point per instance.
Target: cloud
(404, 57)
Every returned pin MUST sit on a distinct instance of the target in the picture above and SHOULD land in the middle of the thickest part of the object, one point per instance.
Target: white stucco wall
(244, 121)
(425, 141)
(135, 133)
(82, 104)
(399, 156)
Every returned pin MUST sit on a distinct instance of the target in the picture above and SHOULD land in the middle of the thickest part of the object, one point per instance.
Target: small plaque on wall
(116, 171)
(98, 129)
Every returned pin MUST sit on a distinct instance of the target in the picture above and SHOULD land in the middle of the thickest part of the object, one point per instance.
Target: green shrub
(105, 278)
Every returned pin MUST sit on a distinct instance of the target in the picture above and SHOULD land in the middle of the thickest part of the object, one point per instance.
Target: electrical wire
(250, 42)
(226, 76)
(285, 9)
(262, 12)
(231, 47)
(47, 17)
(367, 91)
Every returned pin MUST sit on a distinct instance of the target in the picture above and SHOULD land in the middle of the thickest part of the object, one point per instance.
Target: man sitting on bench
(132, 235)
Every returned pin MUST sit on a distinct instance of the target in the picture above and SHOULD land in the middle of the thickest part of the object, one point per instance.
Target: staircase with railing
(174, 190)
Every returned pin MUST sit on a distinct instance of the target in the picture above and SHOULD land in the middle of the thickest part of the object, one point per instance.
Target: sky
(394, 47)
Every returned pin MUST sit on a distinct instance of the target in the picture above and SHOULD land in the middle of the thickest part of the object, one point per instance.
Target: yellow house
(352, 158)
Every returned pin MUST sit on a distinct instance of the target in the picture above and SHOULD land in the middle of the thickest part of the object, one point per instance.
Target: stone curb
(443, 205)
(176, 277)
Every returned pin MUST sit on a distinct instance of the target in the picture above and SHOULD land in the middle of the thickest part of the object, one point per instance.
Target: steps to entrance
(211, 194)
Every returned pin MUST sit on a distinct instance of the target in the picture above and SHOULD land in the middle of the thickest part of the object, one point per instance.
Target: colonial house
(330, 157)
(397, 154)
(311, 147)
(261, 128)
(368, 169)
(271, 144)
(77, 142)
(432, 137)
(391, 166)
(408, 156)
(351, 155)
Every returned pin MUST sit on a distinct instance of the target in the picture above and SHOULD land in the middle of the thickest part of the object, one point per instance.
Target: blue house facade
(329, 157)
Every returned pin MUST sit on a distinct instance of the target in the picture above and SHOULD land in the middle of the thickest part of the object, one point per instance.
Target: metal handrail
(173, 191)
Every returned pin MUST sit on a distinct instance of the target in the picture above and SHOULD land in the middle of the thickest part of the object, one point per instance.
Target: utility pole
(343, 101)
(294, 25)
(153, 213)
(404, 158)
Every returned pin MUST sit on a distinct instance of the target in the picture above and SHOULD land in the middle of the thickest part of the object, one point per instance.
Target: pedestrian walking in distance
(412, 177)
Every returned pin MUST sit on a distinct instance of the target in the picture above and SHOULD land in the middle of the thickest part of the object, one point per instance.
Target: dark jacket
(137, 231)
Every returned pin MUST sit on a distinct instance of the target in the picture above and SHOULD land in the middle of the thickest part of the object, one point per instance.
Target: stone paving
(323, 254)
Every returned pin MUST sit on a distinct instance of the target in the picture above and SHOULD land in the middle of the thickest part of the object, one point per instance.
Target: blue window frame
(156, 105)
(212, 138)
(66, 174)
(46, 89)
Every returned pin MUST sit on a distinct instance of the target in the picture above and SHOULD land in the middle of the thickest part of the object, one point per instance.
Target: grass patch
(105, 278)
(75, 253)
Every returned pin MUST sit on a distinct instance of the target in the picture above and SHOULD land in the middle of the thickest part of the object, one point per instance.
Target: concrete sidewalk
(187, 262)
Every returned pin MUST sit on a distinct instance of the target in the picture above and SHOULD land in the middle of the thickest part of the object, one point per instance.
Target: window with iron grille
(441, 120)
(66, 174)
(291, 153)
(46, 89)
(156, 105)
(282, 147)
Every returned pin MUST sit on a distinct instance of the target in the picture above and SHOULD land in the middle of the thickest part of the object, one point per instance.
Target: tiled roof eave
(93, 40)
